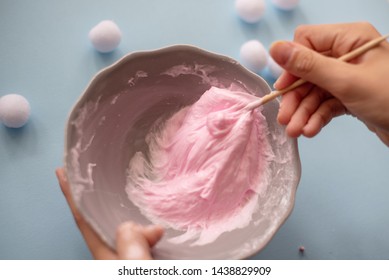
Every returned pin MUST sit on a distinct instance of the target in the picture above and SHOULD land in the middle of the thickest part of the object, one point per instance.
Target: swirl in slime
(205, 169)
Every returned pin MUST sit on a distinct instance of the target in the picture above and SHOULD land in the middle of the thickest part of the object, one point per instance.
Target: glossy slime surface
(205, 169)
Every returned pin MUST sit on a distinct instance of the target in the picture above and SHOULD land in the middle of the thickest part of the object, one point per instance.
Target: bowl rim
(175, 47)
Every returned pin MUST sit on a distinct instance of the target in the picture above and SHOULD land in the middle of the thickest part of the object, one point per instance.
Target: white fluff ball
(274, 69)
(14, 110)
(286, 5)
(250, 11)
(105, 36)
(253, 55)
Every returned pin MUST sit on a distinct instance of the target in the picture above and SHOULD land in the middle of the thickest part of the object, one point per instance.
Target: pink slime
(207, 165)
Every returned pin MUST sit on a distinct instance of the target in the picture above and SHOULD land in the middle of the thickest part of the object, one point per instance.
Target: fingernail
(61, 175)
(281, 51)
(127, 227)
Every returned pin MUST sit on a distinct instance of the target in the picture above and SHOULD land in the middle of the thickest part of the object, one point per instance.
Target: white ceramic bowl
(109, 123)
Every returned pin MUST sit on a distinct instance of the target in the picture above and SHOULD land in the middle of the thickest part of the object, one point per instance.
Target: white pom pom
(253, 55)
(274, 69)
(250, 11)
(14, 110)
(286, 5)
(105, 36)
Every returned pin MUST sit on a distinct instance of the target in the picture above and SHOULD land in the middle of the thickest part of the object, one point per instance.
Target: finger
(153, 233)
(334, 39)
(97, 247)
(320, 38)
(284, 80)
(317, 37)
(306, 108)
(62, 179)
(326, 72)
(64, 184)
(328, 110)
(131, 243)
(290, 101)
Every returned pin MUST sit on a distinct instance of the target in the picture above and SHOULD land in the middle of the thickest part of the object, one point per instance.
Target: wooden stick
(347, 57)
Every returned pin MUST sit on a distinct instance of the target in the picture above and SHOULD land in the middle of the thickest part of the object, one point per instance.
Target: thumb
(326, 72)
(131, 244)
(134, 242)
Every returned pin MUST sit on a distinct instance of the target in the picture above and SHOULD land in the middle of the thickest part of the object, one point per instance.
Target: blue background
(342, 205)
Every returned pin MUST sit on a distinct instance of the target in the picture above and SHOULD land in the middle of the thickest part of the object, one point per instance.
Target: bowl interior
(109, 124)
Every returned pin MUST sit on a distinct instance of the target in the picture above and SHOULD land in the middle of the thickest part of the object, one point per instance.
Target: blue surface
(342, 205)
